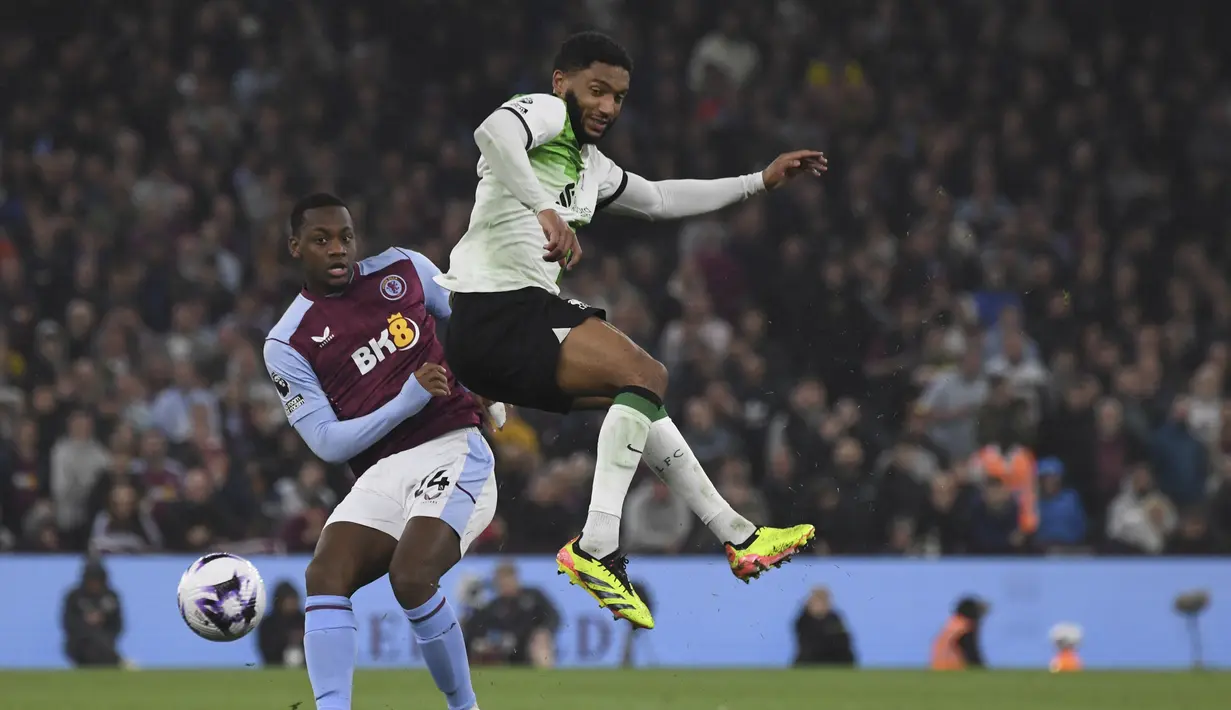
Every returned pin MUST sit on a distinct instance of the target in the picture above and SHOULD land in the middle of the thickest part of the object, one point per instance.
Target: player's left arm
(309, 412)
(631, 195)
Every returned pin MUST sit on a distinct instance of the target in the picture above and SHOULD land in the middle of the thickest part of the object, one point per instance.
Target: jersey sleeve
(295, 381)
(612, 180)
(541, 115)
(435, 296)
(673, 199)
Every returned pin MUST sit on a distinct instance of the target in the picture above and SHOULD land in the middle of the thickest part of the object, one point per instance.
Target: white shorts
(451, 477)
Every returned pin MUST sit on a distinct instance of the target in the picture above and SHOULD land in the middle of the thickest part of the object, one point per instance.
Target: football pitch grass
(510, 689)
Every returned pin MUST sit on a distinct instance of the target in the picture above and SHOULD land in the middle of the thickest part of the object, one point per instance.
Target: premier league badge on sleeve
(284, 388)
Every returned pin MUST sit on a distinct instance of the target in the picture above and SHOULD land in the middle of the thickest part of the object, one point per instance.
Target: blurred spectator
(77, 460)
(734, 479)
(654, 520)
(1062, 520)
(302, 532)
(710, 439)
(24, 477)
(946, 515)
(280, 635)
(1024, 372)
(1140, 518)
(994, 522)
(124, 526)
(199, 521)
(821, 635)
(515, 627)
(172, 410)
(1194, 536)
(723, 57)
(545, 511)
(160, 474)
(93, 619)
(901, 538)
(1004, 418)
(1115, 451)
(1181, 458)
(951, 405)
(308, 488)
(958, 646)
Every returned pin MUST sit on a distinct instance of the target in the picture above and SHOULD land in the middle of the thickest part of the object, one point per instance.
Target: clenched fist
(432, 378)
(562, 245)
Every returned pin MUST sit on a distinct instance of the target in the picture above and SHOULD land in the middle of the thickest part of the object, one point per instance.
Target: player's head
(323, 238)
(591, 73)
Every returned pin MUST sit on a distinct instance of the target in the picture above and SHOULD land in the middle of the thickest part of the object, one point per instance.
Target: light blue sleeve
(295, 381)
(307, 408)
(435, 296)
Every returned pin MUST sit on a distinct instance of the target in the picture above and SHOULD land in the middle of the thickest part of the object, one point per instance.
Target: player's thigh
(597, 360)
(460, 492)
(447, 509)
(591, 404)
(362, 532)
(506, 346)
(349, 556)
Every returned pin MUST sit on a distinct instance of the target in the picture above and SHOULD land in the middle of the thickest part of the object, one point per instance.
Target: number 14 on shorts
(433, 486)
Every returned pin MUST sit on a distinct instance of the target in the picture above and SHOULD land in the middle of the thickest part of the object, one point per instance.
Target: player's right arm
(308, 410)
(505, 139)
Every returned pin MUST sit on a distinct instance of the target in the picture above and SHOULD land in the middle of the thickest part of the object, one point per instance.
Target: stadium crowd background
(1022, 241)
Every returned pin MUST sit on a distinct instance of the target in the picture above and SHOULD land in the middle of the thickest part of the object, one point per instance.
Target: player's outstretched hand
(562, 244)
(433, 379)
(790, 165)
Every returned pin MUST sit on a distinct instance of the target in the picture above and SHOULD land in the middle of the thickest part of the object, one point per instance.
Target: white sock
(672, 459)
(621, 440)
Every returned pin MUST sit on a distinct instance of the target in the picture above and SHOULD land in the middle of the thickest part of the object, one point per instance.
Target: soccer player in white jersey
(513, 339)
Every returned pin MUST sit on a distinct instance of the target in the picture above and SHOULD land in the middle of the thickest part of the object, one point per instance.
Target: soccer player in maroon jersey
(362, 378)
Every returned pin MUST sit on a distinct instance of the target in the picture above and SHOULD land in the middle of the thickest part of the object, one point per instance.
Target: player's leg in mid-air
(533, 349)
(594, 358)
(509, 347)
(348, 556)
(448, 506)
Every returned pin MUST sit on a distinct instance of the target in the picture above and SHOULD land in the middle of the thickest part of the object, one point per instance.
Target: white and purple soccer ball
(222, 597)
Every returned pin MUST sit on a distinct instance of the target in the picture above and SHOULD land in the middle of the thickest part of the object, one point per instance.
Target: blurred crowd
(999, 325)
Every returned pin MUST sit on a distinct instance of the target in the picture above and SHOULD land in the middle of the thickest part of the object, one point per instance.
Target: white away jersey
(502, 249)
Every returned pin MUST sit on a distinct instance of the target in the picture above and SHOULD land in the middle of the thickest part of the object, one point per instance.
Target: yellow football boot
(768, 547)
(606, 581)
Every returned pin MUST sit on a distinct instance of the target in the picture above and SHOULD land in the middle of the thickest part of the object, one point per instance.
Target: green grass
(505, 689)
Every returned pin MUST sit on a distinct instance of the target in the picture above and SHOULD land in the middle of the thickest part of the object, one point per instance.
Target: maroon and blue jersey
(342, 358)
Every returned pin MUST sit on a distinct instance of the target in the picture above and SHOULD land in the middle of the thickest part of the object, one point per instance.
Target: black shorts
(504, 346)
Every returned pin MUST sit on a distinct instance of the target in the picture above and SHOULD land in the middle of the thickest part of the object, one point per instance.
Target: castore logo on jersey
(402, 334)
(324, 338)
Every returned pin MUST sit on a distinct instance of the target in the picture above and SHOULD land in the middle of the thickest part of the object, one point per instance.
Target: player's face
(594, 96)
(326, 244)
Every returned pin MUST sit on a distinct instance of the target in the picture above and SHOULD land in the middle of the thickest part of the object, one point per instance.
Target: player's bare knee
(327, 577)
(649, 374)
(413, 583)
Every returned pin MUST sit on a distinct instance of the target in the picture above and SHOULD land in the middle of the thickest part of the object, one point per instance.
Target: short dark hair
(311, 202)
(585, 48)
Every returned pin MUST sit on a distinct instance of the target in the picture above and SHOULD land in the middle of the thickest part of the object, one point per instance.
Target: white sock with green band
(672, 459)
(621, 441)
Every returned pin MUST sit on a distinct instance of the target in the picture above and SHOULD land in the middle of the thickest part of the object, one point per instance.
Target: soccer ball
(222, 597)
